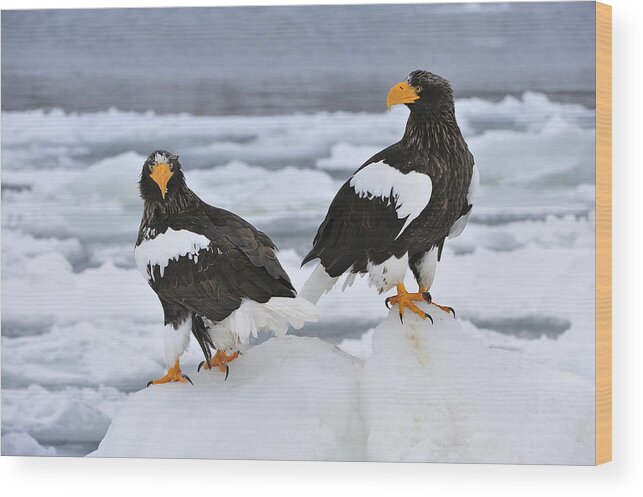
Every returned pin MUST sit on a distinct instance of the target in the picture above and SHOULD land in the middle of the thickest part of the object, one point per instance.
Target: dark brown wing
(240, 263)
(358, 229)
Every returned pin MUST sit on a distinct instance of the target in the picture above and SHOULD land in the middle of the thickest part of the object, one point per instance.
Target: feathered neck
(428, 129)
(180, 200)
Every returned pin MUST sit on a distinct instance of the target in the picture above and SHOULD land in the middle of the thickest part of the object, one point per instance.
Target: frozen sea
(81, 330)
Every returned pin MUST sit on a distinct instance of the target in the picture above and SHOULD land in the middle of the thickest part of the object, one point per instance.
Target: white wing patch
(410, 192)
(461, 222)
(167, 247)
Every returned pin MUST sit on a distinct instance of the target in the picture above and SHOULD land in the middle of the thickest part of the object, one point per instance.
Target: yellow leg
(220, 360)
(173, 374)
(404, 300)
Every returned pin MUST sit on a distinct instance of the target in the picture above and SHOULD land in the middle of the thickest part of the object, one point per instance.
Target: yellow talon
(404, 300)
(427, 296)
(173, 374)
(220, 360)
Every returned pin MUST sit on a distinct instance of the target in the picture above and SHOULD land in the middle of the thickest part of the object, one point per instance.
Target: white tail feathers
(275, 315)
(319, 283)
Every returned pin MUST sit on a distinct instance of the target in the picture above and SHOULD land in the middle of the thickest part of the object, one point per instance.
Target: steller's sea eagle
(398, 208)
(215, 274)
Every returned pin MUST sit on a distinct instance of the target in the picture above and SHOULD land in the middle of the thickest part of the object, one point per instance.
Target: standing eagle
(215, 274)
(401, 205)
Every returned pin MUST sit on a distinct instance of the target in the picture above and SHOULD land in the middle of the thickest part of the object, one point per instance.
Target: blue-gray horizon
(280, 60)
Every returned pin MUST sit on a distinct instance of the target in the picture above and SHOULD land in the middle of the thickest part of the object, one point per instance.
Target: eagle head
(161, 176)
(422, 90)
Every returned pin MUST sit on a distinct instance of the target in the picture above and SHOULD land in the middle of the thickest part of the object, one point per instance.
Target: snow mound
(288, 398)
(428, 392)
(431, 392)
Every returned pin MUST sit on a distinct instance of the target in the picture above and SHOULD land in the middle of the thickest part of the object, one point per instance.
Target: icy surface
(429, 392)
(17, 443)
(81, 329)
(435, 393)
(288, 398)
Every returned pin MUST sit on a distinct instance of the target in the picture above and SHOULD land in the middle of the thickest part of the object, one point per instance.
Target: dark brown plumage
(404, 201)
(204, 262)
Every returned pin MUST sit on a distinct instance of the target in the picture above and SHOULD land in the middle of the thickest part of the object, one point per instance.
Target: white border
(124, 477)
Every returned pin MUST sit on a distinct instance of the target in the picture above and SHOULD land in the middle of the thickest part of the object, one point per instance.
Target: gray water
(276, 60)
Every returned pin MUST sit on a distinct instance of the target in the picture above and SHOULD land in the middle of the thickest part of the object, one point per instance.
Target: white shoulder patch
(410, 192)
(168, 246)
(461, 222)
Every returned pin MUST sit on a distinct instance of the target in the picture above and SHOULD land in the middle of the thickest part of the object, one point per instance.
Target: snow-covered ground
(81, 331)
(429, 392)
(288, 398)
(437, 393)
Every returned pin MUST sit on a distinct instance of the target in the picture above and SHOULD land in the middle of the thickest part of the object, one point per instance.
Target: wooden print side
(603, 233)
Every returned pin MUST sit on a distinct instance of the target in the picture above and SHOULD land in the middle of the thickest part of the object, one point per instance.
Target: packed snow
(82, 331)
(429, 392)
(432, 392)
(288, 398)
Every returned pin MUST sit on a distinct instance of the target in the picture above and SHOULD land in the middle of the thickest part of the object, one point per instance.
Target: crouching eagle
(399, 207)
(215, 274)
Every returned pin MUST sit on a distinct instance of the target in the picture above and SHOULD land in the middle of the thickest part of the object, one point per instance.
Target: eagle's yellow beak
(161, 174)
(401, 93)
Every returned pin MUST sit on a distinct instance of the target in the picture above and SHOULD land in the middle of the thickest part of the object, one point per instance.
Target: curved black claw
(227, 372)
(427, 315)
(446, 308)
(401, 319)
(427, 297)
(198, 369)
(148, 384)
(386, 303)
(186, 377)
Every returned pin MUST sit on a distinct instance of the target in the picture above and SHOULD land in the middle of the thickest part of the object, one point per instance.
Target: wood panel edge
(603, 233)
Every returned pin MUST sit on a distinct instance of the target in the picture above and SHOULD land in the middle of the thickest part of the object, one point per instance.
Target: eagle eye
(418, 89)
